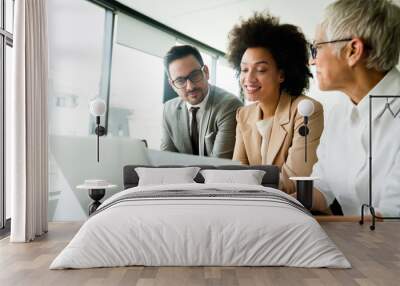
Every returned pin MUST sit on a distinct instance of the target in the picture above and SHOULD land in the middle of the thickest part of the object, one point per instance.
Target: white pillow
(248, 177)
(165, 176)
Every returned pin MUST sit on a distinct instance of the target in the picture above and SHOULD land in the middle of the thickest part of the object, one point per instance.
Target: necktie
(194, 136)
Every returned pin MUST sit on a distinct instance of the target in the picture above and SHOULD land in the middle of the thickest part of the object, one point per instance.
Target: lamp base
(96, 195)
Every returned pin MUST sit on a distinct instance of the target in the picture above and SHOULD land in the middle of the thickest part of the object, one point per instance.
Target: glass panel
(129, 30)
(75, 55)
(76, 39)
(9, 15)
(226, 79)
(136, 95)
(207, 59)
(8, 82)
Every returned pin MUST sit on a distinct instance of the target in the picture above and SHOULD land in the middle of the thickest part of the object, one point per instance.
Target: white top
(343, 164)
(200, 112)
(264, 127)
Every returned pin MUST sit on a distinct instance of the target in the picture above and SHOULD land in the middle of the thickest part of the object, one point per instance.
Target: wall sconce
(98, 108)
(305, 109)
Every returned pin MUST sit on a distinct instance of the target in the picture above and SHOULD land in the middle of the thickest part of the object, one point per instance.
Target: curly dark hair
(285, 42)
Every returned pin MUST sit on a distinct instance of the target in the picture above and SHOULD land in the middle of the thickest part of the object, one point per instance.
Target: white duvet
(200, 231)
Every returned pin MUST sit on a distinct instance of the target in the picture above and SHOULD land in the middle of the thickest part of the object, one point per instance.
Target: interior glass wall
(95, 51)
(226, 77)
(136, 95)
(76, 42)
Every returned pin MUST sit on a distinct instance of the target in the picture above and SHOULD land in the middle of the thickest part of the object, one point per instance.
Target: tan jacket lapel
(278, 133)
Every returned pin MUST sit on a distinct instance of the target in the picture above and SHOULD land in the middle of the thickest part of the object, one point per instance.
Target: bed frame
(270, 179)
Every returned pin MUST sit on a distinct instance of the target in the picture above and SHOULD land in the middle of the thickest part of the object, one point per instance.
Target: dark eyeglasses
(195, 76)
(314, 46)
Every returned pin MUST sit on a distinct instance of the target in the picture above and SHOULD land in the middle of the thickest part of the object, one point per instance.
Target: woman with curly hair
(272, 63)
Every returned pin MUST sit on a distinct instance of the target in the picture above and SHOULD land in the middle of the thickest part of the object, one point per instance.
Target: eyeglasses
(195, 76)
(314, 46)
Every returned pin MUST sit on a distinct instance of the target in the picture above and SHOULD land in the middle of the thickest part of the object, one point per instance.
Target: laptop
(76, 157)
(172, 158)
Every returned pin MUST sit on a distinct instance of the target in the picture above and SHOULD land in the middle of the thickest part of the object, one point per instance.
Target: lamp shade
(97, 107)
(305, 107)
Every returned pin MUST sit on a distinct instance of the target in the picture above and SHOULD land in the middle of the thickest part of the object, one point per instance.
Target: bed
(201, 224)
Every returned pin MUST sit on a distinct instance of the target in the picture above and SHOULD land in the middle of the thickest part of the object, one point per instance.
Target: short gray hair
(376, 22)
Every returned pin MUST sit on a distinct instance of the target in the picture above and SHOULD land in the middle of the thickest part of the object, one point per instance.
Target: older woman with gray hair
(356, 50)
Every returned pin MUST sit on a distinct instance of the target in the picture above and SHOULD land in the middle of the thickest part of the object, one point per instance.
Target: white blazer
(343, 164)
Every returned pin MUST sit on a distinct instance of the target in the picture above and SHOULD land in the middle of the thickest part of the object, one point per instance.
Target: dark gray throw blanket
(206, 194)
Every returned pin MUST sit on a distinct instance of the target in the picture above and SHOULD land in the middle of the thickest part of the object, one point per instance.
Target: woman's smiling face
(260, 77)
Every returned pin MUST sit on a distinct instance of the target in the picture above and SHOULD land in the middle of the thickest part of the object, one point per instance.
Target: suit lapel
(278, 132)
(182, 125)
(205, 120)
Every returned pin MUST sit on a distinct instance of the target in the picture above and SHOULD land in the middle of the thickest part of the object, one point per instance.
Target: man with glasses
(201, 121)
(356, 51)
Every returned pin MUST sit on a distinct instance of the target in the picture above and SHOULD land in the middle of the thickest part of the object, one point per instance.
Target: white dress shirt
(200, 112)
(343, 153)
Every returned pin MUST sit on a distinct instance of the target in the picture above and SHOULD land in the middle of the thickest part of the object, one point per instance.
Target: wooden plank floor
(375, 257)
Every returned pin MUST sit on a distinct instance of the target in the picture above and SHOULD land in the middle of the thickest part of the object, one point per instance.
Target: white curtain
(28, 120)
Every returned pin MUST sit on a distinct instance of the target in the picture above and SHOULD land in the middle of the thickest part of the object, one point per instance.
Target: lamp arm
(100, 131)
(305, 137)
(98, 136)
(303, 131)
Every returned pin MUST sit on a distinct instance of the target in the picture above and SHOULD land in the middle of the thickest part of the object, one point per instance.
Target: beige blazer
(286, 146)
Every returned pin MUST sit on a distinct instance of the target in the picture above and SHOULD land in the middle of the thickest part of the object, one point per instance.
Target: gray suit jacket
(216, 130)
